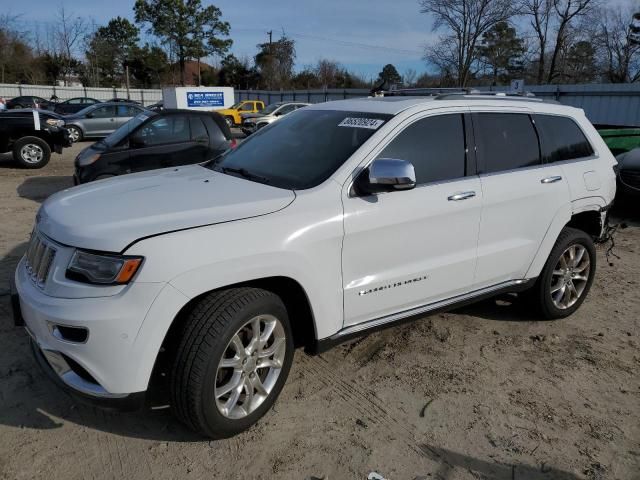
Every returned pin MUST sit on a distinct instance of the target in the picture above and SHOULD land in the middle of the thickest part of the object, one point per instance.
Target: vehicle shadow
(29, 399)
(7, 161)
(507, 308)
(448, 461)
(39, 189)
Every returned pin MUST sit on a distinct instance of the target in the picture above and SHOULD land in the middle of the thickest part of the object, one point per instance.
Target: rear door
(521, 195)
(124, 113)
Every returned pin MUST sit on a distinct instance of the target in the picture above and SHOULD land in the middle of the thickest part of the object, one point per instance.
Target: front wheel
(229, 121)
(75, 134)
(567, 276)
(31, 152)
(233, 359)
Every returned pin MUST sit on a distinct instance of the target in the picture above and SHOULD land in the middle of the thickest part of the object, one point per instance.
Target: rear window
(506, 141)
(561, 139)
(302, 149)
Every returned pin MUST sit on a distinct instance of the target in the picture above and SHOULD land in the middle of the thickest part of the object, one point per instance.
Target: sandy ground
(488, 392)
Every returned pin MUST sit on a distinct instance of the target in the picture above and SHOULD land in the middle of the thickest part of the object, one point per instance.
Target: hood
(252, 115)
(110, 214)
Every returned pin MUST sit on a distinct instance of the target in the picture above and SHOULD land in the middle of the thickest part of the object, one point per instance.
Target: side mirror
(387, 175)
(89, 115)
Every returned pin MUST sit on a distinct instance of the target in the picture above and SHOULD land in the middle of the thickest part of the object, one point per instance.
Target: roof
(396, 104)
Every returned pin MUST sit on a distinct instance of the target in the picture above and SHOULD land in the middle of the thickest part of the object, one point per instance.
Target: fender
(560, 220)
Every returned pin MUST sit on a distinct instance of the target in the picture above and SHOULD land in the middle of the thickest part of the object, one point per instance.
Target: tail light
(233, 143)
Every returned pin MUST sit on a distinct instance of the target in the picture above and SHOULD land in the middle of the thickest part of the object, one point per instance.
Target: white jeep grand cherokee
(339, 219)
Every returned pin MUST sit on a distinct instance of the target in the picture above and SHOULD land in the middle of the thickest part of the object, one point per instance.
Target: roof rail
(526, 96)
(422, 92)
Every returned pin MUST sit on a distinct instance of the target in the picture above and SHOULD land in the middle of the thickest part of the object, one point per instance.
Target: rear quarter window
(561, 139)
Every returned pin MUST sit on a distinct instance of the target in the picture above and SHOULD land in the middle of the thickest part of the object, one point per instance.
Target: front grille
(630, 177)
(39, 259)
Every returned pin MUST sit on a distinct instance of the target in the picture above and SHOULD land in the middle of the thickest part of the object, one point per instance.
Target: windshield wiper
(243, 172)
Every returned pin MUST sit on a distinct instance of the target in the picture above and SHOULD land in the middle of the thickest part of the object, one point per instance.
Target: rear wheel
(31, 152)
(233, 359)
(567, 276)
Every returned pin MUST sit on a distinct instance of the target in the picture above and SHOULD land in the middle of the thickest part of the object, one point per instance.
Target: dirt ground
(487, 392)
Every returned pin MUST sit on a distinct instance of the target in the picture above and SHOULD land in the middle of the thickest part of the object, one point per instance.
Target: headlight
(88, 160)
(54, 122)
(102, 269)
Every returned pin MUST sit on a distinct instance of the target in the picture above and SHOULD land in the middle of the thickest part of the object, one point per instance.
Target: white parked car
(343, 218)
(251, 122)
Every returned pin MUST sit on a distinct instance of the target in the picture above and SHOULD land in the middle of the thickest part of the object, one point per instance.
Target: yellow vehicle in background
(232, 114)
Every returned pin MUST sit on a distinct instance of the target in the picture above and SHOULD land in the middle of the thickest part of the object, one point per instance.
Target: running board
(361, 329)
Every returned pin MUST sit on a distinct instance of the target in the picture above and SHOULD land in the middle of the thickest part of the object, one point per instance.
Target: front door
(406, 249)
(162, 142)
(101, 122)
(521, 195)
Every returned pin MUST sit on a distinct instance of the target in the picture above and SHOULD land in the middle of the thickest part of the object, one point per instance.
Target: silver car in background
(100, 120)
(252, 122)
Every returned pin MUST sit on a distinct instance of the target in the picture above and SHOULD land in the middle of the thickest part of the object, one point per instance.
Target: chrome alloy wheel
(250, 366)
(32, 153)
(74, 134)
(570, 276)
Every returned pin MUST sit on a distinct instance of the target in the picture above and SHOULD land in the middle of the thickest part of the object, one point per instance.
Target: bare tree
(465, 21)
(540, 12)
(620, 57)
(409, 77)
(326, 71)
(69, 34)
(565, 12)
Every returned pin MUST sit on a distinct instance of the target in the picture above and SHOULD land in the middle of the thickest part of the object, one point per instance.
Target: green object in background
(621, 140)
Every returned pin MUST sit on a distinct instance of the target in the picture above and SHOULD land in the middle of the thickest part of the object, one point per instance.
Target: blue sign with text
(205, 99)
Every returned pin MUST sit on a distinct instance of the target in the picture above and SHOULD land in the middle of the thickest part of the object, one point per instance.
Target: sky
(362, 35)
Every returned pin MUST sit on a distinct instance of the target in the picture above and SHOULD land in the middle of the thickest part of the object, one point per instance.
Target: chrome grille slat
(39, 258)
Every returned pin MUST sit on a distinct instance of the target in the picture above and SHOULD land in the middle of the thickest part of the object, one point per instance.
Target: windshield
(118, 135)
(235, 106)
(302, 150)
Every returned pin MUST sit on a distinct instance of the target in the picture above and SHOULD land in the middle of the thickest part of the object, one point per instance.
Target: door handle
(553, 179)
(456, 197)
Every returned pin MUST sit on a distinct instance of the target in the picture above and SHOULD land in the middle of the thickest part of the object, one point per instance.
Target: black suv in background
(155, 140)
(32, 135)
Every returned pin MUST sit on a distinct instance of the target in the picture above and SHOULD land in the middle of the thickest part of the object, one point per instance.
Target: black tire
(20, 154)
(540, 294)
(77, 135)
(205, 337)
(229, 121)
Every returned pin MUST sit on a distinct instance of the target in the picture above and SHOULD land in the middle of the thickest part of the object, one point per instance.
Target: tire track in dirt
(364, 403)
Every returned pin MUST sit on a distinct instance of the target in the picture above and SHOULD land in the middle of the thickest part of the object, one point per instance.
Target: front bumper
(109, 364)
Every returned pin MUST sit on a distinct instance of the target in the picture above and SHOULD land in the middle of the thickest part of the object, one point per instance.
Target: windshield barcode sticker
(353, 122)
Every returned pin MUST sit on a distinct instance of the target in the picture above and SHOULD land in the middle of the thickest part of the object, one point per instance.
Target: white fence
(144, 96)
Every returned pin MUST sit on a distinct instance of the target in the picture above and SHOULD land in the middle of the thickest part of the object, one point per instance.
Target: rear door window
(434, 145)
(505, 141)
(561, 139)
